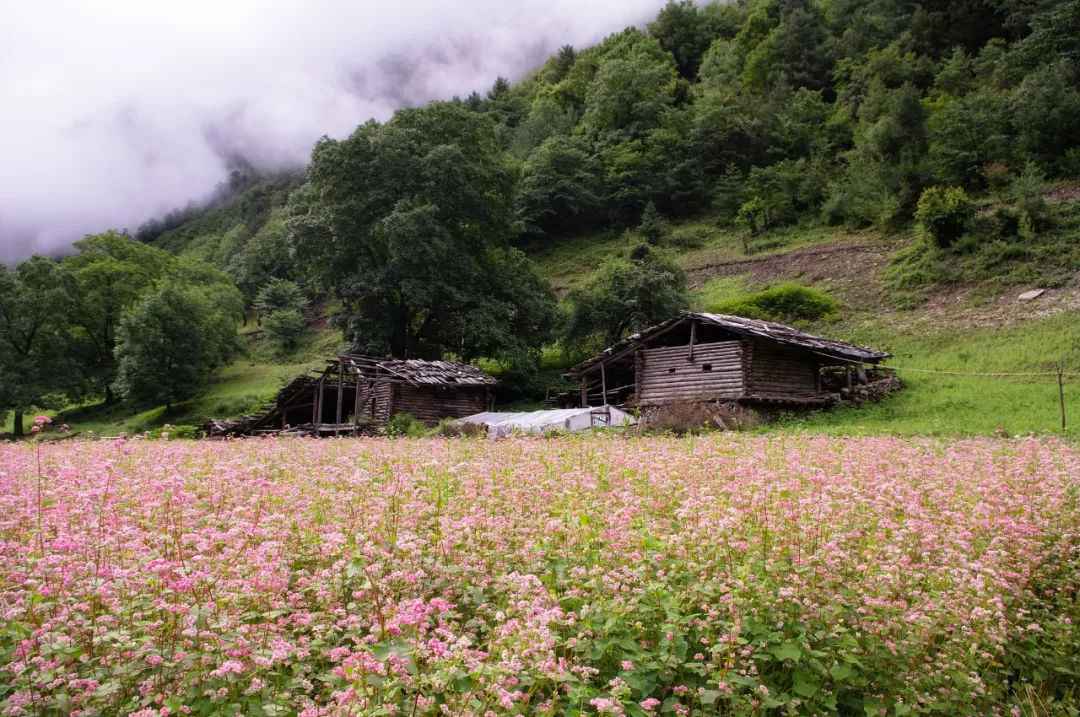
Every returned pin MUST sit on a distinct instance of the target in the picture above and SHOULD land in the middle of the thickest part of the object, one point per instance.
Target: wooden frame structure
(354, 394)
(701, 356)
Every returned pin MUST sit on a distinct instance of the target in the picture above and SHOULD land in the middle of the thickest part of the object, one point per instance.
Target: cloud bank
(117, 111)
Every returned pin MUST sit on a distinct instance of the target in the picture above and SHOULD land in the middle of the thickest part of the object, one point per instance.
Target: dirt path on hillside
(851, 271)
(854, 274)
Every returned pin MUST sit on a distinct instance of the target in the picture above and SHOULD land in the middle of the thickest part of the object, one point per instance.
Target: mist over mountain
(116, 112)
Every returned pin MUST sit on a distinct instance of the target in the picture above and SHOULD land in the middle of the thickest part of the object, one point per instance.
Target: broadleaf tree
(37, 369)
(170, 343)
(402, 222)
(109, 274)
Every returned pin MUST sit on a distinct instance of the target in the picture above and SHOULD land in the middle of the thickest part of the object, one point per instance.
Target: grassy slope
(927, 338)
(924, 338)
(967, 405)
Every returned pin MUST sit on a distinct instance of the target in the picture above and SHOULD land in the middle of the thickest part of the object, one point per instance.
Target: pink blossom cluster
(533, 576)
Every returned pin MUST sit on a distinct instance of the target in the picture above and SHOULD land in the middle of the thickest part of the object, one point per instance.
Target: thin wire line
(964, 373)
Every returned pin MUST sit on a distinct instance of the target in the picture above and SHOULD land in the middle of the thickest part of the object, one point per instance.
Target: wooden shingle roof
(754, 328)
(417, 372)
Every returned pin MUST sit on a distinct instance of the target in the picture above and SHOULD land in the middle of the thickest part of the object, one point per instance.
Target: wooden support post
(319, 404)
(639, 374)
(585, 391)
(340, 396)
(603, 382)
(693, 340)
(1061, 391)
(861, 371)
(356, 410)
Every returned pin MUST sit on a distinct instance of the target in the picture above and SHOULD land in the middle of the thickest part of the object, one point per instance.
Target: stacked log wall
(668, 373)
(431, 405)
(777, 370)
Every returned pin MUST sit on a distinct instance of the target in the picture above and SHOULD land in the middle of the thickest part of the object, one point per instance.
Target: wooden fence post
(1061, 390)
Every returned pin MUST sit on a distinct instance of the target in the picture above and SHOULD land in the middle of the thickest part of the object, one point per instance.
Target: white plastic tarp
(568, 419)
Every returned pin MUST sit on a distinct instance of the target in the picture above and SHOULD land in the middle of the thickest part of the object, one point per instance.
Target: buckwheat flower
(628, 665)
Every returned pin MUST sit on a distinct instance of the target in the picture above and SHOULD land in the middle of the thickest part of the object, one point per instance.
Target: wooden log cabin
(353, 392)
(700, 356)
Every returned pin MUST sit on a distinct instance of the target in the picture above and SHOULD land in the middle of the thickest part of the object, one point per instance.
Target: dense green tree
(1054, 38)
(721, 70)
(403, 220)
(966, 135)
(506, 107)
(547, 119)
(560, 188)
(563, 61)
(630, 94)
(795, 124)
(801, 54)
(170, 343)
(266, 256)
(280, 295)
(957, 74)
(653, 226)
(285, 328)
(630, 181)
(38, 368)
(887, 170)
(682, 31)
(1046, 113)
(625, 295)
(108, 275)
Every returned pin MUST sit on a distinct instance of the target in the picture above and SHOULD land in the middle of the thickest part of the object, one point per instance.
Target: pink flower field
(722, 575)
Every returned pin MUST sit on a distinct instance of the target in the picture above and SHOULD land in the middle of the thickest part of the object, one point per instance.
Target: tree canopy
(409, 223)
(170, 343)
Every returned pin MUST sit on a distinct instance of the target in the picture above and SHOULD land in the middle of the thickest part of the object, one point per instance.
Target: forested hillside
(738, 128)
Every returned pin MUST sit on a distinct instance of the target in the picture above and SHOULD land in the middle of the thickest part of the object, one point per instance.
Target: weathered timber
(698, 355)
(381, 387)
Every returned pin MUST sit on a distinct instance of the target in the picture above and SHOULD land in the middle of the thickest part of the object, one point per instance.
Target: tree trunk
(110, 399)
(18, 430)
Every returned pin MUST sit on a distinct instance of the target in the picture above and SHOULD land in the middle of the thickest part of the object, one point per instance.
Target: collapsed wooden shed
(353, 393)
(701, 356)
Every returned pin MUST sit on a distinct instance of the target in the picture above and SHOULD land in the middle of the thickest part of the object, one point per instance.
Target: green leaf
(872, 707)
(806, 683)
(901, 709)
(786, 651)
(841, 671)
(708, 697)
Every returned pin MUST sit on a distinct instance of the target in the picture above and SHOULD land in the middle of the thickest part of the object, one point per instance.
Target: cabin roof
(752, 328)
(416, 372)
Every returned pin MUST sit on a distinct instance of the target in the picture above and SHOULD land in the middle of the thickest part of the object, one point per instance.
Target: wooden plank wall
(779, 370)
(431, 405)
(383, 394)
(666, 374)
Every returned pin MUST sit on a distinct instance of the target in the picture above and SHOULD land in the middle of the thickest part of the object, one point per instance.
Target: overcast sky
(115, 111)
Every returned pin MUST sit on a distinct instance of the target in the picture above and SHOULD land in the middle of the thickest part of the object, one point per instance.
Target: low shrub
(784, 302)
(944, 215)
(452, 428)
(177, 433)
(406, 425)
